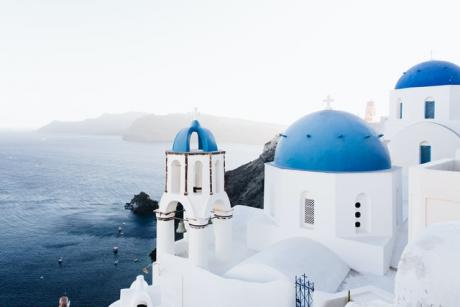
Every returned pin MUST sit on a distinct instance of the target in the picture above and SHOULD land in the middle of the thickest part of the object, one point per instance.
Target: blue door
(425, 153)
(429, 109)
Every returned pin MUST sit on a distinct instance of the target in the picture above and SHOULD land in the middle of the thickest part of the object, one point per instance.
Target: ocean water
(63, 196)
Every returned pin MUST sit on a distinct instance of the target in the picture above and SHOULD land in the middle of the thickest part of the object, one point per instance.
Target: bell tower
(195, 179)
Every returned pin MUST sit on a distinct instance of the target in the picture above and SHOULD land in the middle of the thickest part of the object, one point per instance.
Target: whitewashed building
(333, 210)
(331, 198)
(424, 120)
(332, 181)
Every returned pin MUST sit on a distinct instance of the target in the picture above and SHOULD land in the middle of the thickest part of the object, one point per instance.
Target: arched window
(198, 182)
(429, 108)
(175, 176)
(194, 142)
(425, 152)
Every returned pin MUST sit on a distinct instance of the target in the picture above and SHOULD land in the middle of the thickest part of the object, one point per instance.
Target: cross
(431, 54)
(195, 113)
(328, 100)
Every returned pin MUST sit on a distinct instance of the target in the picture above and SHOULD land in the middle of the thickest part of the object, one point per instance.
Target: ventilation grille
(309, 211)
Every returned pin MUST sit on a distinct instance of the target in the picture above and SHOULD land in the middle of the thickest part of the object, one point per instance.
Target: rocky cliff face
(245, 184)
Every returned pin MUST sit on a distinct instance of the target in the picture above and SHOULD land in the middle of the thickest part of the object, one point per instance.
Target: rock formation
(142, 204)
(245, 184)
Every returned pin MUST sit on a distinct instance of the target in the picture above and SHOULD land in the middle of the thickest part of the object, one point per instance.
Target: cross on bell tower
(195, 113)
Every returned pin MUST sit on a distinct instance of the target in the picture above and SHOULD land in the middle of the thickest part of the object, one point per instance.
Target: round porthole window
(358, 205)
(357, 224)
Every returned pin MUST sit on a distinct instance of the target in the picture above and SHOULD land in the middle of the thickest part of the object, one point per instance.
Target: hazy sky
(256, 59)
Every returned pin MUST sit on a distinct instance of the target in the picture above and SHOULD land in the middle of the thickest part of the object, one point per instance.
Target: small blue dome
(206, 141)
(331, 141)
(431, 73)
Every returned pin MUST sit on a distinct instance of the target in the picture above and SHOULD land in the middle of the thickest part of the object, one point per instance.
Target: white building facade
(332, 182)
(424, 120)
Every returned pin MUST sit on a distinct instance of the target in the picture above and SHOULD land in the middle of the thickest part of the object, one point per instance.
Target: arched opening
(425, 152)
(142, 305)
(194, 142)
(198, 180)
(170, 228)
(179, 225)
(217, 175)
(307, 210)
(361, 214)
(175, 176)
(429, 108)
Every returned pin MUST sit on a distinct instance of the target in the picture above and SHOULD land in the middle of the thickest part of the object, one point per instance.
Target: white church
(341, 201)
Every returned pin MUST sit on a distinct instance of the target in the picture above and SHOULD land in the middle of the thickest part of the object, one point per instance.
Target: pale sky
(256, 59)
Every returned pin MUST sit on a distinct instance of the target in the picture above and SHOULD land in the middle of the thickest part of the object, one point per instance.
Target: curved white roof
(291, 257)
(429, 268)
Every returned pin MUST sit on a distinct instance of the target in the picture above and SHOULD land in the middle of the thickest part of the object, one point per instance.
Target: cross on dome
(328, 100)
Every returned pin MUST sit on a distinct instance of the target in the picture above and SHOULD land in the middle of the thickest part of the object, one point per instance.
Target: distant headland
(143, 127)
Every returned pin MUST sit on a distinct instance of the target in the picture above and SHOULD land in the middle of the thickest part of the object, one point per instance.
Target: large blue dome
(331, 141)
(431, 73)
(206, 141)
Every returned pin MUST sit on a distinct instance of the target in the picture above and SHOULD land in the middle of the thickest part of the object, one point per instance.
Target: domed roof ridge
(430, 73)
(206, 141)
(331, 141)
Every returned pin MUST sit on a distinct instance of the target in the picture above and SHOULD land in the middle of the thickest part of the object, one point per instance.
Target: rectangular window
(309, 217)
(429, 109)
(425, 154)
(400, 110)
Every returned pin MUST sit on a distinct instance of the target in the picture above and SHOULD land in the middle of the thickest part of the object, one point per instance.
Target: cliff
(245, 184)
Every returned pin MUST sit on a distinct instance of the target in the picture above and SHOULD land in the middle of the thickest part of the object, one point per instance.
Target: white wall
(455, 103)
(413, 99)
(185, 285)
(404, 147)
(379, 188)
(434, 195)
(288, 187)
(335, 195)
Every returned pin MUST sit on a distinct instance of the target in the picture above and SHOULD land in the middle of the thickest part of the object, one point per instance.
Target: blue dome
(331, 141)
(431, 73)
(206, 141)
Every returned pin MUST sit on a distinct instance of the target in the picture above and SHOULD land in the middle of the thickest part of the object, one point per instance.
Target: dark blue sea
(63, 196)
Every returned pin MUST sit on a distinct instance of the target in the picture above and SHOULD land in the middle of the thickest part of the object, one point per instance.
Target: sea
(63, 196)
